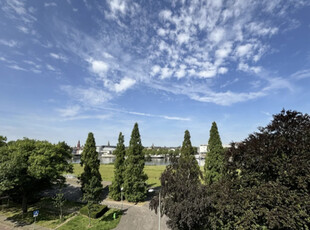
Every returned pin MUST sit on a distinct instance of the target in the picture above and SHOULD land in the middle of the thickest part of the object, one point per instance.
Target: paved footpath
(137, 217)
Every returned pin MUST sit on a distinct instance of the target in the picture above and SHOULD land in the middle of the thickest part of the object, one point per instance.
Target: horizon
(73, 67)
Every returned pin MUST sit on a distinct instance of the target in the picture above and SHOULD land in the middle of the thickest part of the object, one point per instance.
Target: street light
(152, 190)
(122, 196)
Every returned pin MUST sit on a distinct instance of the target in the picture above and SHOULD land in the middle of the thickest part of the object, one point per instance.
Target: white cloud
(23, 29)
(222, 70)
(301, 74)
(50, 67)
(251, 69)
(207, 73)
(217, 35)
(17, 67)
(183, 38)
(244, 50)
(165, 14)
(70, 111)
(88, 96)
(166, 72)
(155, 70)
(59, 57)
(117, 6)
(98, 67)
(180, 73)
(50, 4)
(124, 84)
(10, 43)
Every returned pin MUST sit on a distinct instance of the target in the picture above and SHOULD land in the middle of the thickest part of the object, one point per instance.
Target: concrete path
(137, 217)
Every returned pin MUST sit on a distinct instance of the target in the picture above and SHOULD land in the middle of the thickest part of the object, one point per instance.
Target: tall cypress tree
(215, 156)
(187, 159)
(119, 168)
(91, 163)
(135, 187)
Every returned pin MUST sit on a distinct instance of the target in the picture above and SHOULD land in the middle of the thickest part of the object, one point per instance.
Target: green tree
(2, 141)
(266, 181)
(28, 166)
(119, 168)
(135, 187)
(215, 156)
(91, 164)
(59, 201)
(183, 197)
(92, 194)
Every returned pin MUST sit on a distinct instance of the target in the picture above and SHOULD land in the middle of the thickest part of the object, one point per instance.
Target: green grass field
(107, 172)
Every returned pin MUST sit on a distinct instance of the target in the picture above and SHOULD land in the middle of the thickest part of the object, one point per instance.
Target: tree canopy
(214, 159)
(29, 166)
(119, 169)
(182, 196)
(135, 187)
(91, 163)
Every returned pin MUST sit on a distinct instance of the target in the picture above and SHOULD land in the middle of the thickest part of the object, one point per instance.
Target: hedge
(97, 211)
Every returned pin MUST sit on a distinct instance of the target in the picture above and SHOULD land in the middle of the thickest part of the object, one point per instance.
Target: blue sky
(71, 67)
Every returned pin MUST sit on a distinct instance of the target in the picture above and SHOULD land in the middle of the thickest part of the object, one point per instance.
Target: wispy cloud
(59, 57)
(301, 74)
(9, 43)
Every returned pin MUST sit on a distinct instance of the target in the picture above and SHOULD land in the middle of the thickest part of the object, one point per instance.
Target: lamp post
(122, 196)
(152, 190)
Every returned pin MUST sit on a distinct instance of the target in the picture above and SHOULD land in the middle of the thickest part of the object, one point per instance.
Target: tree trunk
(60, 214)
(24, 203)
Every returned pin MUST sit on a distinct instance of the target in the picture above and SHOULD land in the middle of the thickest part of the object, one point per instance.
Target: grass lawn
(107, 172)
(48, 214)
(105, 222)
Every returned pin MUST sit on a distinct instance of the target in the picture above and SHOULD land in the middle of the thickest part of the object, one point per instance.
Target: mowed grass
(48, 214)
(107, 172)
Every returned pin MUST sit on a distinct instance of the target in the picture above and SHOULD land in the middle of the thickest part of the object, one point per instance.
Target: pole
(159, 213)
(122, 198)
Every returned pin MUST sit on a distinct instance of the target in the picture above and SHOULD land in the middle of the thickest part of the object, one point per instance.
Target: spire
(108, 143)
(78, 145)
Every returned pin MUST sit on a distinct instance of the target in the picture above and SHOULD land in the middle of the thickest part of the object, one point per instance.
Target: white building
(203, 149)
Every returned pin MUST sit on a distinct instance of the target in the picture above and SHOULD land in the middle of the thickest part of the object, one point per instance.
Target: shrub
(97, 210)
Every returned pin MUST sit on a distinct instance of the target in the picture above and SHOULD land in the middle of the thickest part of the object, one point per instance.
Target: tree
(91, 163)
(119, 168)
(59, 201)
(92, 194)
(183, 197)
(2, 141)
(214, 158)
(28, 166)
(267, 179)
(135, 187)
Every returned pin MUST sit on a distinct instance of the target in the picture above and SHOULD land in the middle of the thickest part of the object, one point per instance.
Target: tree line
(262, 182)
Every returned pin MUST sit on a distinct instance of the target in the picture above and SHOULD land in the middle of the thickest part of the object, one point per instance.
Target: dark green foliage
(97, 211)
(2, 141)
(91, 163)
(268, 178)
(119, 168)
(215, 156)
(183, 197)
(135, 187)
(188, 160)
(29, 166)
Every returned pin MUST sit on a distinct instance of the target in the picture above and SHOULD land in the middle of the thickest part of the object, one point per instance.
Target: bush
(97, 210)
